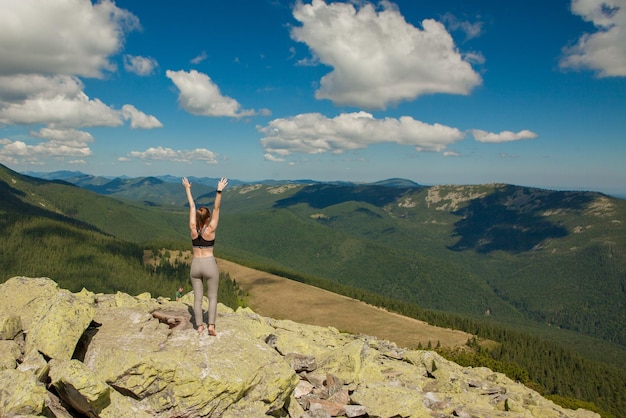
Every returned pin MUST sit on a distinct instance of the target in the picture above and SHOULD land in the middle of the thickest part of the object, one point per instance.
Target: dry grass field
(277, 297)
(281, 298)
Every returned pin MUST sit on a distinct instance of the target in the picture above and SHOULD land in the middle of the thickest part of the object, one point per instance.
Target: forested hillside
(486, 259)
(46, 232)
(514, 253)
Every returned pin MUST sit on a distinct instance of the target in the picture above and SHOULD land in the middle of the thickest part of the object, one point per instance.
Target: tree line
(566, 378)
(79, 258)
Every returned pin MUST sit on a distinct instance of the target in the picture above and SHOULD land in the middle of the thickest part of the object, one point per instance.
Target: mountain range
(553, 262)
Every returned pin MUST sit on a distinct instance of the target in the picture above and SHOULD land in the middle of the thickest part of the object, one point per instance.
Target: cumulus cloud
(61, 37)
(60, 41)
(603, 51)
(273, 158)
(139, 119)
(179, 156)
(313, 133)
(377, 57)
(59, 111)
(67, 136)
(504, 136)
(20, 87)
(199, 95)
(57, 143)
(59, 102)
(142, 66)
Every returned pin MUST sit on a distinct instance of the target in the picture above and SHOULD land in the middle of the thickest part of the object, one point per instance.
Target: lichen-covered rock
(25, 297)
(35, 364)
(9, 353)
(10, 326)
(59, 328)
(388, 401)
(79, 387)
(178, 372)
(123, 356)
(20, 394)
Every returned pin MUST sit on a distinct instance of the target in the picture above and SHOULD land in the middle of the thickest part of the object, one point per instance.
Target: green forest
(82, 239)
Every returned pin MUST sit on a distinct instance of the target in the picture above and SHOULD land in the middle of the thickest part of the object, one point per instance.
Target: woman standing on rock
(202, 224)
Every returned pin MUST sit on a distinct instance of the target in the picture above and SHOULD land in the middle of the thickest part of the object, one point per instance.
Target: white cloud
(197, 60)
(504, 136)
(313, 133)
(199, 95)
(270, 157)
(605, 50)
(20, 87)
(61, 36)
(168, 154)
(377, 57)
(59, 102)
(60, 111)
(471, 30)
(142, 66)
(64, 135)
(45, 47)
(57, 143)
(139, 119)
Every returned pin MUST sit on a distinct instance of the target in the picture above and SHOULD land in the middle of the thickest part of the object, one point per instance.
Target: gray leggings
(201, 269)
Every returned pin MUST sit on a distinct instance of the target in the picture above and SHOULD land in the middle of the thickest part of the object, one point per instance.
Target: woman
(202, 224)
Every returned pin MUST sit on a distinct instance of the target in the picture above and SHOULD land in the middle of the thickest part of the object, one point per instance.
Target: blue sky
(442, 92)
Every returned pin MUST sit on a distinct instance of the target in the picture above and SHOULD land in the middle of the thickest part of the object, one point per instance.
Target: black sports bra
(200, 242)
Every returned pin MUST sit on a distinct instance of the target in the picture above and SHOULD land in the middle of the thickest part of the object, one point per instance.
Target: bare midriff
(202, 252)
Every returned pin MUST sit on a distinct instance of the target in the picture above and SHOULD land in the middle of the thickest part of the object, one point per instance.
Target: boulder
(9, 353)
(79, 387)
(66, 354)
(62, 322)
(20, 394)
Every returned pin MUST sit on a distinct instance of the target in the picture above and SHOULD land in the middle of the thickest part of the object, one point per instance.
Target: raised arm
(215, 217)
(192, 205)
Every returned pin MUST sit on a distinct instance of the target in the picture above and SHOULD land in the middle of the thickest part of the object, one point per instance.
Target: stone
(175, 319)
(20, 394)
(389, 401)
(300, 363)
(9, 353)
(59, 329)
(79, 387)
(10, 326)
(124, 356)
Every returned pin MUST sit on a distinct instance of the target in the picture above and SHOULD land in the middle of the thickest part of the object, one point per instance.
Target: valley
(548, 266)
(281, 298)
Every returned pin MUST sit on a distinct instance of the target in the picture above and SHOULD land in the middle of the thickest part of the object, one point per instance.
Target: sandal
(201, 329)
(212, 331)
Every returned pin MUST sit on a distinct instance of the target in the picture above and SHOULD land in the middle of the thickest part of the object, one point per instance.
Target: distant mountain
(397, 182)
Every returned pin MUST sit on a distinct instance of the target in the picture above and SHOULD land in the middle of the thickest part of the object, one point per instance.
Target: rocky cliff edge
(65, 354)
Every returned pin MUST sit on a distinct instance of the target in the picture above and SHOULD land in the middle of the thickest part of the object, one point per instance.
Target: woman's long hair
(203, 215)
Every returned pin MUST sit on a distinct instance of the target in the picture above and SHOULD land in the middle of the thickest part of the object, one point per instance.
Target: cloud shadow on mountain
(511, 221)
(320, 196)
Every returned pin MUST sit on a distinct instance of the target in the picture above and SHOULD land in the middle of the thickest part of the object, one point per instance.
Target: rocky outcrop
(66, 354)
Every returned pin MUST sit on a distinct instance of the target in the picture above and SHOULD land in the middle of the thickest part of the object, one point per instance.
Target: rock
(58, 330)
(123, 356)
(9, 353)
(79, 387)
(300, 363)
(174, 319)
(36, 364)
(10, 326)
(383, 400)
(20, 394)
